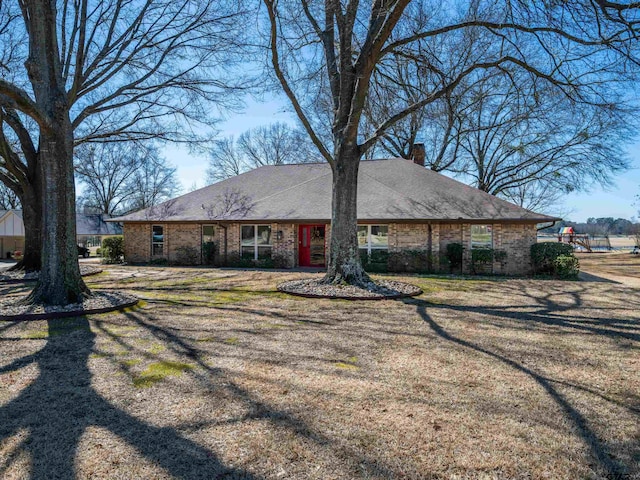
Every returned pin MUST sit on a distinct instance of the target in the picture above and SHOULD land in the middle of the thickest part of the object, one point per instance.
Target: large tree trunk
(60, 282)
(344, 257)
(32, 219)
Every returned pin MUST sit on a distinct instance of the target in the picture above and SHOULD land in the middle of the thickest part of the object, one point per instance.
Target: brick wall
(514, 239)
(137, 242)
(287, 246)
(186, 236)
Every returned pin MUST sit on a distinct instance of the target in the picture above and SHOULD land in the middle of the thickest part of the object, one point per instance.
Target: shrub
(481, 259)
(566, 266)
(186, 256)
(209, 253)
(112, 250)
(410, 261)
(159, 261)
(98, 252)
(376, 262)
(544, 254)
(274, 261)
(454, 255)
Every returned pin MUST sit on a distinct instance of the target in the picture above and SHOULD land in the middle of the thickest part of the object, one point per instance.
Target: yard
(217, 374)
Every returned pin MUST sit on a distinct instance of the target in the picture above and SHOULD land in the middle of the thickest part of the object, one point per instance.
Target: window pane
(248, 252)
(481, 236)
(362, 236)
(158, 234)
(264, 235)
(248, 235)
(157, 249)
(264, 252)
(207, 233)
(379, 236)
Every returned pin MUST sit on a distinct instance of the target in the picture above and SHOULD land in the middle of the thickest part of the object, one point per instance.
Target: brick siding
(514, 239)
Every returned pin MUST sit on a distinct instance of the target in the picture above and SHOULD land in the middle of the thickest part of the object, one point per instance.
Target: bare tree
(91, 70)
(275, 144)
(326, 55)
(512, 135)
(8, 198)
(118, 178)
(152, 182)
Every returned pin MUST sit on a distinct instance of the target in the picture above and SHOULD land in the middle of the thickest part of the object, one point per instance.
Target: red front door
(311, 246)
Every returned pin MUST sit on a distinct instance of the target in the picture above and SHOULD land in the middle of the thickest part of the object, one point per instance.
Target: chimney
(418, 154)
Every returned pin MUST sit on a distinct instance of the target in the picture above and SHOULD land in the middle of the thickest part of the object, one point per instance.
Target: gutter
(546, 226)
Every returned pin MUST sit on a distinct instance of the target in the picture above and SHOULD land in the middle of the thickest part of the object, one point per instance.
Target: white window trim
(158, 243)
(368, 247)
(255, 237)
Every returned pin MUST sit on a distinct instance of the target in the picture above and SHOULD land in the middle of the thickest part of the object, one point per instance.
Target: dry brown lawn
(618, 266)
(217, 375)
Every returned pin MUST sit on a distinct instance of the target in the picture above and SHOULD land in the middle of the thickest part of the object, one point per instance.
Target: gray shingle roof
(388, 190)
(95, 224)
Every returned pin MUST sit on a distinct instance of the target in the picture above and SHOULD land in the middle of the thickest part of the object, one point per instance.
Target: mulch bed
(21, 276)
(381, 290)
(99, 302)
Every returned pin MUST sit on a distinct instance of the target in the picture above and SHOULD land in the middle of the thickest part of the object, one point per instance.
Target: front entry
(311, 246)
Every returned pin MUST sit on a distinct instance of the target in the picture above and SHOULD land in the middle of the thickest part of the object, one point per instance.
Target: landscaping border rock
(99, 302)
(21, 277)
(381, 290)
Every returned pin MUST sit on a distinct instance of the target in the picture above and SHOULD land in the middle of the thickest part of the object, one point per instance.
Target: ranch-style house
(284, 212)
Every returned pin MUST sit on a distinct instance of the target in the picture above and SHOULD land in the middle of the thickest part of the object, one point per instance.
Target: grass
(217, 374)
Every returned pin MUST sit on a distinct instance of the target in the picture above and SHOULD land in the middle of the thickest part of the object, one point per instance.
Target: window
(255, 242)
(373, 237)
(207, 234)
(157, 240)
(481, 236)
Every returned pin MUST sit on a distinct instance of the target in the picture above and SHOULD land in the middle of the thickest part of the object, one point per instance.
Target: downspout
(430, 248)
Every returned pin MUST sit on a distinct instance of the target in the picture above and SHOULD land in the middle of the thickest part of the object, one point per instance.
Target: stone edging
(71, 313)
(10, 281)
(419, 291)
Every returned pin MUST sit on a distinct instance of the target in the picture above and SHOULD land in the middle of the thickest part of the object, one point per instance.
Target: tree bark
(60, 282)
(32, 220)
(344, 264)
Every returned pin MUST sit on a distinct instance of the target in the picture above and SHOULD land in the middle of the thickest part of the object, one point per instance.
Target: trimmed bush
(238, 261)
(186, 256)
(481, 260)
(113, 250)
(544, 254)
(566, 266)
(98, 252)
(454, 255)
(209, 253)
(410, 261)
(159, 262)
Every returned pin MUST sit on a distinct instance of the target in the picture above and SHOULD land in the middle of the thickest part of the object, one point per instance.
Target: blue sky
(616, 201)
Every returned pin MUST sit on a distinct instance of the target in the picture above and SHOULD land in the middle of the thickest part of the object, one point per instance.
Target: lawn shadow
(602, 454)
(60, 404)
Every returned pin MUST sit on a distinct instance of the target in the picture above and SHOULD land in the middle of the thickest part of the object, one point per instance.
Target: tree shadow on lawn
(603, 454)
(60, 404)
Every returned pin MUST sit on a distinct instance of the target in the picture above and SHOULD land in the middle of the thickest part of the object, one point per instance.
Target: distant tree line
(598, 226)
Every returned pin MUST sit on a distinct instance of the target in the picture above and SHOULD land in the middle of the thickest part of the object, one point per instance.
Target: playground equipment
(586, 241)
